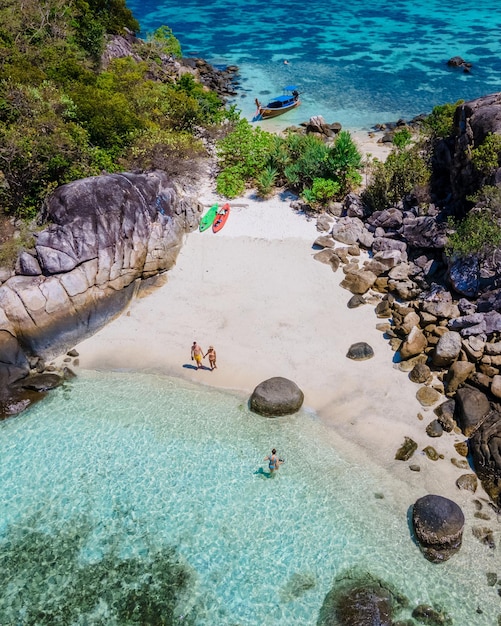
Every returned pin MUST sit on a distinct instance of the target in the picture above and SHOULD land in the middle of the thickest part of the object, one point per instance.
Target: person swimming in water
(273, 462)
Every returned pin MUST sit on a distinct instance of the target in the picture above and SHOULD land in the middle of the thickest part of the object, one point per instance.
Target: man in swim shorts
(197, 354)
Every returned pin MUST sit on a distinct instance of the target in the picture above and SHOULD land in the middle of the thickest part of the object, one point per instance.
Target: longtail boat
(279, 105)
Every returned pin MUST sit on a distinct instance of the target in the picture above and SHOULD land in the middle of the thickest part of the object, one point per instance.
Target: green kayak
(208, 218)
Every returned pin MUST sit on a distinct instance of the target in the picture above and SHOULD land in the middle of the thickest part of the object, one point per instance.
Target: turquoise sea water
(119, 484)
(358, 63)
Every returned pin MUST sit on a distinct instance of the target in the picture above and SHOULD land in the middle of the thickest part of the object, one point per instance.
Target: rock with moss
(428, 615)
(427, 396)
(406, 450)
(467, 482)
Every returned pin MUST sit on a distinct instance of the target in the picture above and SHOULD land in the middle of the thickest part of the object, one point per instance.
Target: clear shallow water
(119, 469)
(356, 63)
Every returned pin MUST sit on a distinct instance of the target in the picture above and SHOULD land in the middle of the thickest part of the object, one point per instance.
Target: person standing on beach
(212, 357)
(197, 354)
(273, 462)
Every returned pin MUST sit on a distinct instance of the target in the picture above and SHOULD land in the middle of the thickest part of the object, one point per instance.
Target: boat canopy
(290, 88)
(281, 99)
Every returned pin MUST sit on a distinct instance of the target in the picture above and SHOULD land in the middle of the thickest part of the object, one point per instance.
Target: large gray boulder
(438, 525)
(276, 396)
(105, 235)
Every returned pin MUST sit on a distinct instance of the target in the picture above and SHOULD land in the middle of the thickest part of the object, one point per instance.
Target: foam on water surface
(131, 467)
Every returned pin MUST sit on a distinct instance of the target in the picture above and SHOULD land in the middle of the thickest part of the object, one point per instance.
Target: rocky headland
(103, 238)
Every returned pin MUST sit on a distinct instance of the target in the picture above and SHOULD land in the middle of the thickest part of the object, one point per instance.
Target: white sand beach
(254, 291)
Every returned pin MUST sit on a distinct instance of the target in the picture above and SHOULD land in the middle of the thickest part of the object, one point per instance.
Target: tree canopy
(64, 116)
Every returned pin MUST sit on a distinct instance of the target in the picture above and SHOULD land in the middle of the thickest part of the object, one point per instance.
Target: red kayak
(221, 217)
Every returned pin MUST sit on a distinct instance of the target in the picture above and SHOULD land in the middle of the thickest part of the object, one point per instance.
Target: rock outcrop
(473, 121)
(168, 68)
(104, 236)
(484, 446)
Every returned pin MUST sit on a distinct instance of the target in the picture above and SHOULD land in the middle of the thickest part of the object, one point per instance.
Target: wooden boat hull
(267, 113)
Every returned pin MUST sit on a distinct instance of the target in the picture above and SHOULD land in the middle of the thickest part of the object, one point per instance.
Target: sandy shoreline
(255, 292)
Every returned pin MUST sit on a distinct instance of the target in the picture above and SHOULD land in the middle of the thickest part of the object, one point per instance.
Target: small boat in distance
(276, 106)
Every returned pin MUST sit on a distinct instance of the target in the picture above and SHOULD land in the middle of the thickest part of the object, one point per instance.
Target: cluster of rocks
(442, 314)
(223, 81)
(444, 341)
(167, 68)
(105, 236)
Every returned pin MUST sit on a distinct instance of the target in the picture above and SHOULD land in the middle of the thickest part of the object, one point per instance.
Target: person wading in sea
(273, 462)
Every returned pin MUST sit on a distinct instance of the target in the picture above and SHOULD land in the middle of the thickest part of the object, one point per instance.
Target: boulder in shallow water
(426, 614)
(276, 396)
(438, 525)
(359, 599)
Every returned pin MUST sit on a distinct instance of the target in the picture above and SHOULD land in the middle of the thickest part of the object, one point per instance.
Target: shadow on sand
(189, 366)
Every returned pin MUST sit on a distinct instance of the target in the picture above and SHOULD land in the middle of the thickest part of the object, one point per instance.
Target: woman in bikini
(273, 462)
(212, 357)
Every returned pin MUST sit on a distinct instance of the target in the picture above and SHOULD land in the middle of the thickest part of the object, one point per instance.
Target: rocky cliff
(473, 122)
(104, 235)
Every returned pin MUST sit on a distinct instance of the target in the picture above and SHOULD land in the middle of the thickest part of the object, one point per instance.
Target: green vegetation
(243, 154)
(402, 138)
(486, 157)
(488, 197)
(478, 233)
(440, 123)
(250, 156)
(163, 39)
(63, 117)
(321, 192)
(10, 249)
(405, 172)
